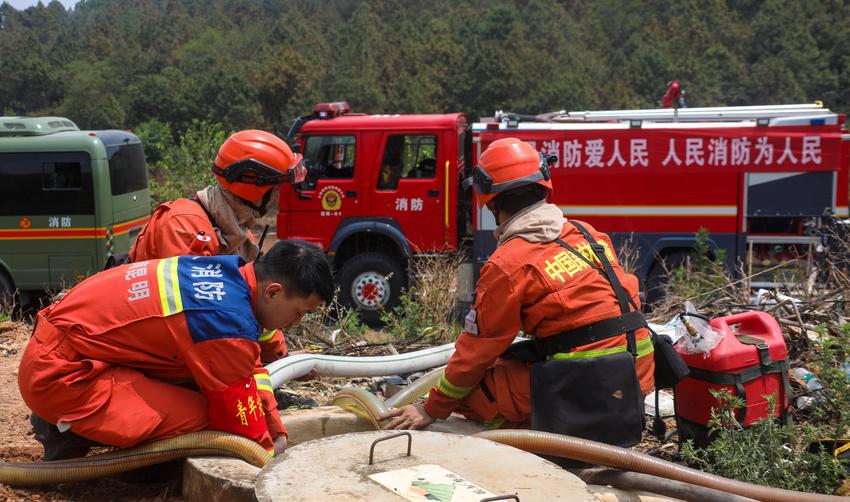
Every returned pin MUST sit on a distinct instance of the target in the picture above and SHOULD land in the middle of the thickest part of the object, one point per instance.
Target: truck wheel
(655, 287)
(370, 283)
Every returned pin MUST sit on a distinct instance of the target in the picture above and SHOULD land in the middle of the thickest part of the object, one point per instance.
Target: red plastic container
(734, 360)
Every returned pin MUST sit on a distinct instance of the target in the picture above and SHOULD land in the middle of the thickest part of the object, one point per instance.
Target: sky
(23, 4)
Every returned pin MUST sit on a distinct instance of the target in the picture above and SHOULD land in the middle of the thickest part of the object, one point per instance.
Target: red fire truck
(383, 189)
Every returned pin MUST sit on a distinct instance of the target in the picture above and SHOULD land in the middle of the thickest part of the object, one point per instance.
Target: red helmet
(506, 164)
(250, 163)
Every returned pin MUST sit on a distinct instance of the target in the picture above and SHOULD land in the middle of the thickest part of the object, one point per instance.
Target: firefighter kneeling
(591, 360)
(159, 348)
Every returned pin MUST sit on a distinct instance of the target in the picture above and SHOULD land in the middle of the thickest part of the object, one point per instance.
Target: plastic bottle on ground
(814, 396)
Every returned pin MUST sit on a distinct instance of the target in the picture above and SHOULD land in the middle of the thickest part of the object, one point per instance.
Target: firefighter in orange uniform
(590, 362)
(250, 166)
(158, 348)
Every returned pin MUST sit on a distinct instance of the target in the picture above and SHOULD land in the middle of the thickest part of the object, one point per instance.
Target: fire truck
(384, 189)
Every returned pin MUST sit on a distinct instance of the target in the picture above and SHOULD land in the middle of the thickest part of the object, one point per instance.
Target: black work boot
(58, 445)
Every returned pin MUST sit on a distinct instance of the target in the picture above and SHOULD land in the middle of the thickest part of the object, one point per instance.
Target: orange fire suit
(182, 227)
(152, 350)
(543, 290)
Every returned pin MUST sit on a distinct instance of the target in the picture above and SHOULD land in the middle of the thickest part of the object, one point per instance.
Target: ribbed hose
(593, 452)
(364, 404)
(415, 390)
(640, 482)
(95, 466)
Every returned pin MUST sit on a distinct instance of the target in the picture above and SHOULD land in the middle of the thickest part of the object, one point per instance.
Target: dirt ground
(17, 443)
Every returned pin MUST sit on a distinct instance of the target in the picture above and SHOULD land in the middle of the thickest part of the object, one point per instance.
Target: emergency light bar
(331, 110)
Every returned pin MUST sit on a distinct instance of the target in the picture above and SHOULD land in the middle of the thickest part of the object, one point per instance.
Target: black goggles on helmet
(254, 172)
(482, 182)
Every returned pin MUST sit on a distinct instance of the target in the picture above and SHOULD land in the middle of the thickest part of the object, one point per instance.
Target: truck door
(331, 192)
(410, 187)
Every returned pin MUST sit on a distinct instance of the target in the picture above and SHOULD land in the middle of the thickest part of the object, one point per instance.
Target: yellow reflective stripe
(644, 347)
(175, 287)
(495, 423)
(267, 335)
(263, 382)
(160, 280)
(452, 390)
(169, 286)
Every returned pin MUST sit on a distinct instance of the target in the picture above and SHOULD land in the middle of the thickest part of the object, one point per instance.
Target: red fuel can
(751, 362)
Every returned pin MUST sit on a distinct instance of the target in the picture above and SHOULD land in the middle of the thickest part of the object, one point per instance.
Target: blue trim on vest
(216, 298)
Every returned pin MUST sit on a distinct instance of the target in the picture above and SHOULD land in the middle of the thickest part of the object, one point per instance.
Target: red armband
(238, 409)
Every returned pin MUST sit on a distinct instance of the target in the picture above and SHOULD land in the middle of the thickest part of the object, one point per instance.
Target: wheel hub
(370, 290)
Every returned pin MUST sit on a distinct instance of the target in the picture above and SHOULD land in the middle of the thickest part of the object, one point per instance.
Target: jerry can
(750, 362)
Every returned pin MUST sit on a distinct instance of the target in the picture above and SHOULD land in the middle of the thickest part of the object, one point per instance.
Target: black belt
(590, 333)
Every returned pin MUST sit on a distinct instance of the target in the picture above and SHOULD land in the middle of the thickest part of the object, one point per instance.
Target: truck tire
(655, 287)
(370, 283)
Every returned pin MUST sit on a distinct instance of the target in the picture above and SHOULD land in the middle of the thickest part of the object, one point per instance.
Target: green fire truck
(70, 200)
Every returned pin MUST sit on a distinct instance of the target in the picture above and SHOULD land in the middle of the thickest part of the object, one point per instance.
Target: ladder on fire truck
(715, 113)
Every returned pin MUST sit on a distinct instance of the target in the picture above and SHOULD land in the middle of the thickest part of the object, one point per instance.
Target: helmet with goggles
(250, 163)
(507, 164)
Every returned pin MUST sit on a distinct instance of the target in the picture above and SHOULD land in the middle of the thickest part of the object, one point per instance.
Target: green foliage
(832, 414)
(764, 453)
(701, 274)
(244, 63)
(425, 310)
(156, 138)
(185, 167)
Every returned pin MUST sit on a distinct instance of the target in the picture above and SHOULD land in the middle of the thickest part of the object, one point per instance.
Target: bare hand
(279, 444)
(412, 416)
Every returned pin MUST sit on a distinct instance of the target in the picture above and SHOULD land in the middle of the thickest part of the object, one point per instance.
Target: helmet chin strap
(264, 203)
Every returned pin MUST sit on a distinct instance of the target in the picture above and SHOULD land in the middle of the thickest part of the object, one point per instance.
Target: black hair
(515, 200)
(300, 266)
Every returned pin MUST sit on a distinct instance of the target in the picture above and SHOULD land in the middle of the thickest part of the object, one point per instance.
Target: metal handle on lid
(398, 434)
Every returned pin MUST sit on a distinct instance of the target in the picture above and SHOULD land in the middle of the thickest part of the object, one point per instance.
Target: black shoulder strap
(608, 272)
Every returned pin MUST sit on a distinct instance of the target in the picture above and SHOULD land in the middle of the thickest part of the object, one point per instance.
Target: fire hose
(367, 405)
(156, 452)
(290, 368)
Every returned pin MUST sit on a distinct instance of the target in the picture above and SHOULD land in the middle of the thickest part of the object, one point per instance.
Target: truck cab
(69, 200)
(380, 189)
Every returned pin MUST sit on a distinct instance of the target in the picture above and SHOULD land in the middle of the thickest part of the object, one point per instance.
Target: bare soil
(17, 443)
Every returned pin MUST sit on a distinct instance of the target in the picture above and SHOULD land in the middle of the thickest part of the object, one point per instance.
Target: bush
(831, 414)
(185, 167)
(156, 137)
(425, 310)
(765, 453)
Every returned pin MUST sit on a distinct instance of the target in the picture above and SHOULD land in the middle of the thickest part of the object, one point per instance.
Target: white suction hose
(290, 368)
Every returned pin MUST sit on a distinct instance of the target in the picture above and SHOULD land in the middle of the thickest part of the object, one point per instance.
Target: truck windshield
(328, 157)
(127, 169)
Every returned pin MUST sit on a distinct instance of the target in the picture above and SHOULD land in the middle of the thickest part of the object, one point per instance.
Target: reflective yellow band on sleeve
(644, 348)
(169, 287)
(267, 334)
(263, 382)
(452, 390)
(495, 423)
